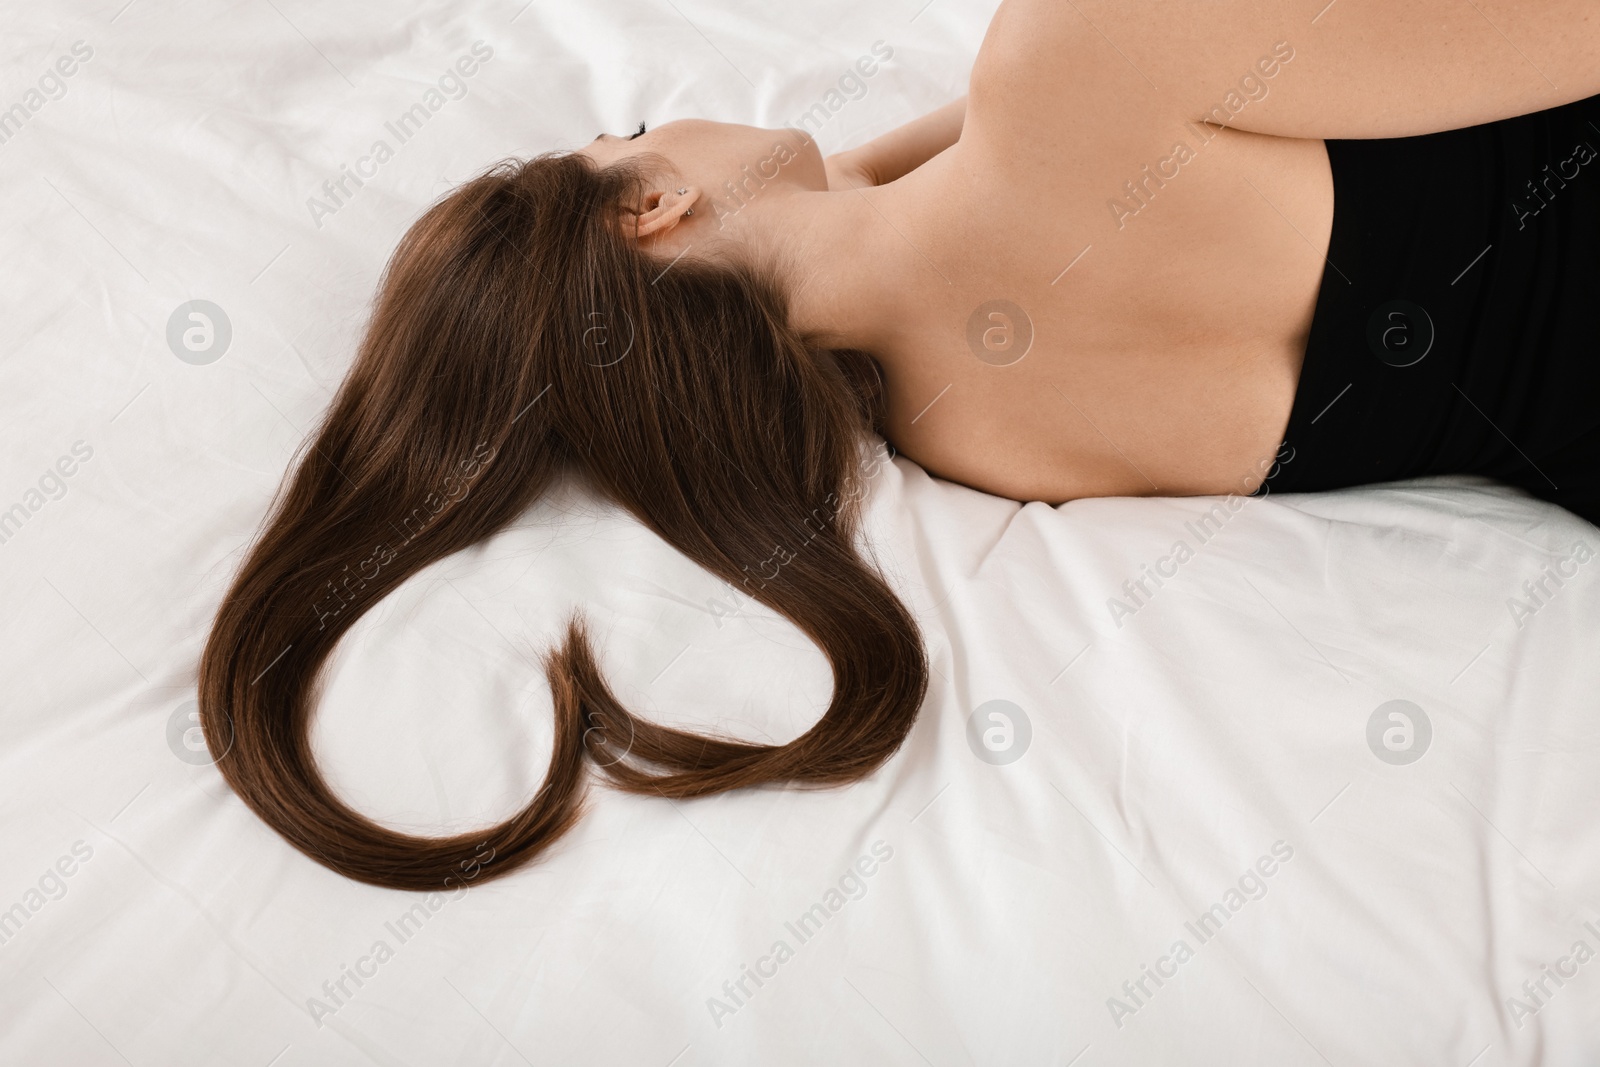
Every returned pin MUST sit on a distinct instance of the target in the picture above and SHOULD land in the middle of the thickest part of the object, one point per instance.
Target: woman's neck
(844, 262)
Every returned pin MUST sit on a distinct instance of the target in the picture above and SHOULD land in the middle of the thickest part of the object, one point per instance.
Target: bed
(1319, 787)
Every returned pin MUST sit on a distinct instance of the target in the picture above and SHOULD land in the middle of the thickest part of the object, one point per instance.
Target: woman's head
(520, 333)
(722, 168)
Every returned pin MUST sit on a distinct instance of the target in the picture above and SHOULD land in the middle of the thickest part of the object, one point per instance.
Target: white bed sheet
(1221, 725)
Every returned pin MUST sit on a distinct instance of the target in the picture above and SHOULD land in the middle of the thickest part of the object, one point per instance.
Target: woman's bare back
(1160, 271)
(1163, 356)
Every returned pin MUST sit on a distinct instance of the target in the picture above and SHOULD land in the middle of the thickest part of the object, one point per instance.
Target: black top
(1457, 329)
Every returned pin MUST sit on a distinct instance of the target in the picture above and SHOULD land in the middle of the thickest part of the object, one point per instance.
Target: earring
(682, 192)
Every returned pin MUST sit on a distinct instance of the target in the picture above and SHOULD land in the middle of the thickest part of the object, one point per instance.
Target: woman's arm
(900, 151)
(1338, 68)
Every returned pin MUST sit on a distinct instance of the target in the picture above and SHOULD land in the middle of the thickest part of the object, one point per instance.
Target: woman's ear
(661, 211)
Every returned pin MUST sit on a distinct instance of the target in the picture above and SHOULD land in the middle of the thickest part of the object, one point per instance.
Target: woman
(1116, 267)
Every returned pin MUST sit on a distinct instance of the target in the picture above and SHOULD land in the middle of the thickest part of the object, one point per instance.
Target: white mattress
(998, 907)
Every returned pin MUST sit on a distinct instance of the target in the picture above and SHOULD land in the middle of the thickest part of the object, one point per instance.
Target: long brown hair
(518, 334)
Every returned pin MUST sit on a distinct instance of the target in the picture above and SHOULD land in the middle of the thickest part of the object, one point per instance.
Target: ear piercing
(682, 192)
